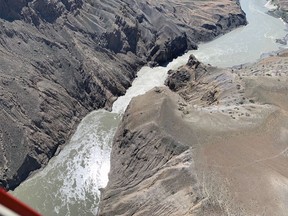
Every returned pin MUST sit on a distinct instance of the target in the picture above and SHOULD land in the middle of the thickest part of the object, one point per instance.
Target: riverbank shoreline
(279, 8)
(65, 67)
(229, 129)
(213, 143)
(73, 175)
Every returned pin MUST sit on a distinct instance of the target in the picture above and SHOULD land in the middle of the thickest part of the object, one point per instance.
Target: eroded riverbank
(217, 145)
(62, 59)
(74, 199)
(214, 145)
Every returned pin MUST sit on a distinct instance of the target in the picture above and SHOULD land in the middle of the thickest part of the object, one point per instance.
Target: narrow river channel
(70, 184)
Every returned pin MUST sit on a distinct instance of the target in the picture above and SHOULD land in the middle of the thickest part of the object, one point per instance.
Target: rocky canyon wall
(61, 59)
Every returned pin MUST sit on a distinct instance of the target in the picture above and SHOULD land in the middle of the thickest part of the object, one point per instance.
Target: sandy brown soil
(62, 59)
(227, 148)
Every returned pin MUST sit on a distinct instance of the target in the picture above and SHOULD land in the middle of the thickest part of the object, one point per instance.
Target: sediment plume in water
(75, 175)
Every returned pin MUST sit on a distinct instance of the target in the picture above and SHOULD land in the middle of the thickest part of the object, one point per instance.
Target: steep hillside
(213, 143)
(60, 59)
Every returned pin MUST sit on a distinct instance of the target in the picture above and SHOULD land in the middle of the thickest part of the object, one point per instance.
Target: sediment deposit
(214, 142)
(61, 59)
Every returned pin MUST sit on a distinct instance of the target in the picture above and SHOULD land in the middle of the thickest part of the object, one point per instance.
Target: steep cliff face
(11, 10)
(214, 143)
(60, 59)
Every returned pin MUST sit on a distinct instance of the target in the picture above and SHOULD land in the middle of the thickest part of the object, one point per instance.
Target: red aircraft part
(15, 205)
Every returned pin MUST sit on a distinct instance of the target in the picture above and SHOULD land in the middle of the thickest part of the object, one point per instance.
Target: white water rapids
(70, 183)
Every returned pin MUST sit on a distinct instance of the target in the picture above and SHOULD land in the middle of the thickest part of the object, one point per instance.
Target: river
(70, 183)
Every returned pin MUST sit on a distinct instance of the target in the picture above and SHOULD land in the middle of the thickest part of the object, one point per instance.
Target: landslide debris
(213, 143)
(61, 59)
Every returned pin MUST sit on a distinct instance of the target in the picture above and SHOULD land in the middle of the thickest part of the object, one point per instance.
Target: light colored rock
(62, 59)
(226, 156)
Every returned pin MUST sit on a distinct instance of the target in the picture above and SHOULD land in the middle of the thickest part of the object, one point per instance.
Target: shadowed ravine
(71, 181)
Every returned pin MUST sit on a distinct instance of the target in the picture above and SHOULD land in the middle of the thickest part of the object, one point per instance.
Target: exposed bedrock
(215, 143)
(282, 9)
(61, 59)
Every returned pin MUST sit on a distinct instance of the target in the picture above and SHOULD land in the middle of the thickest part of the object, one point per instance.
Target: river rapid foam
(71, 182)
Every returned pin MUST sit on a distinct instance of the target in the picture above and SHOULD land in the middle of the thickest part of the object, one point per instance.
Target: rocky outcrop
(282, 9)
(215, 143)
(11, 10)
(191, 72)
(61, 59)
